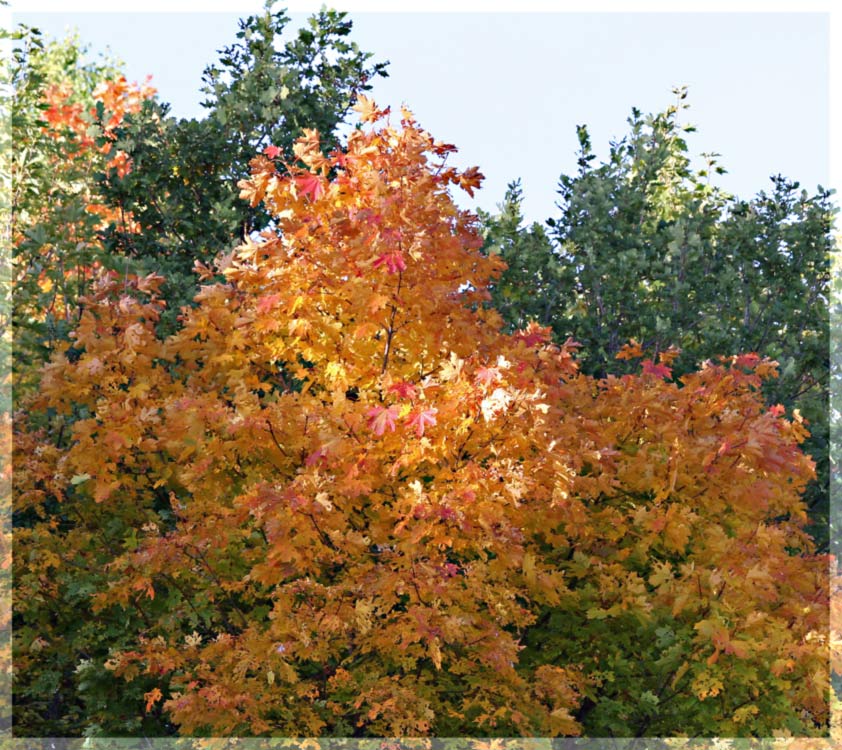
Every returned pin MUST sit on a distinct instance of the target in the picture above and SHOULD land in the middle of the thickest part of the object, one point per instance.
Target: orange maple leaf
(469, 179)
(368, 110)
(632, 350)
(152, 697)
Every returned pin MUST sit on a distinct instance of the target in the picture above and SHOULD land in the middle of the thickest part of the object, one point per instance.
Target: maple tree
(340, 501)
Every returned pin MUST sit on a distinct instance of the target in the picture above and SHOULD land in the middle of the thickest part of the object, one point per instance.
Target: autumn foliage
(65, 145)
(339, 501)
(86, 139)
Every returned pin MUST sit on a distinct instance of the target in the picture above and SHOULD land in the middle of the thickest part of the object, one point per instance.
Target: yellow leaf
(296, 303)
(661, 574)
(435, 652)
(746, 712)
(529, 568)
(680, 672)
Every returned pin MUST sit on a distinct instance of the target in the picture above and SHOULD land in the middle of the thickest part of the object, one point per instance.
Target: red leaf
(533, 334)
(404, 389)
(394, 262)
(315, 457)
(749, 361)
(310, 185)
(659, 371)
(487, 375)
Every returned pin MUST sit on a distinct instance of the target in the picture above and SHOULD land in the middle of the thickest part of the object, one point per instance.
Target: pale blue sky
(508, 89)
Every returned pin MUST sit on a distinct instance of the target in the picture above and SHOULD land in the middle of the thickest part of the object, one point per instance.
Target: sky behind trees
(509, 88)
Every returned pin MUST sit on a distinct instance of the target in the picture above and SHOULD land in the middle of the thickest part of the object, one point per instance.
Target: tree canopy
(301, 448)
(340, 500)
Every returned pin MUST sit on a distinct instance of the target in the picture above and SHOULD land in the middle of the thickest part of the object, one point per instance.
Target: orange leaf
(152, 697)
(632, 350)
(368, 109)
